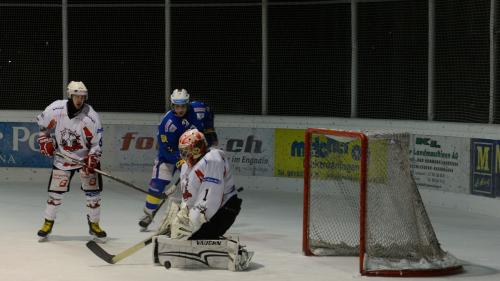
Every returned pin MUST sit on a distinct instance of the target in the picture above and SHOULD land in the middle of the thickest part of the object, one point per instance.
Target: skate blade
(43, 239)
(143, 229)
(99, 240)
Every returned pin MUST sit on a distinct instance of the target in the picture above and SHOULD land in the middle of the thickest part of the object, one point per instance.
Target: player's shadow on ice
(475, 270)
(253, 266)
(83, 238)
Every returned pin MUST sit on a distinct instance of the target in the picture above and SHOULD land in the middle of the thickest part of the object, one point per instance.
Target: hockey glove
(46, 145)
(179, 163)
(91, 162)
(181, 227)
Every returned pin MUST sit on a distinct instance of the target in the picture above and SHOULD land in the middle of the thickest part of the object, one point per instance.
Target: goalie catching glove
(183, 226)
(46, 144)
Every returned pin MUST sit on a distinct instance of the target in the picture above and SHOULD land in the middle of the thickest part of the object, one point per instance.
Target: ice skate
(146, 220)
(97, 233)
(46, 229)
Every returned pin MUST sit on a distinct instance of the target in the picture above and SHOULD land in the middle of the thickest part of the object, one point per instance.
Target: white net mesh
(399, 235)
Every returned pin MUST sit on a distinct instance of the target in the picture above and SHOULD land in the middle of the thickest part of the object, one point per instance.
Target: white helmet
(76, 88)
(179, 96)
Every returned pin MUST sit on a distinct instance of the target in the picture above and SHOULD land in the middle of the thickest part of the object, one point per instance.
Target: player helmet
(76, 88)
(179, 97)
(192, 146)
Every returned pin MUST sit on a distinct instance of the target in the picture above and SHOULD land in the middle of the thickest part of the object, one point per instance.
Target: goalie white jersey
(207, 186)
(76, 137)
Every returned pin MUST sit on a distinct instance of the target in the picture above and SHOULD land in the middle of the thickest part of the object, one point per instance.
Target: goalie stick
(122, 181)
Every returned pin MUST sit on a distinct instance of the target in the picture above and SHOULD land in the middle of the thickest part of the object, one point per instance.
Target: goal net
(360, 199)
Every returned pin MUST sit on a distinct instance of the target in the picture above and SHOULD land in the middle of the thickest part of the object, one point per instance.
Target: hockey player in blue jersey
(183, 116)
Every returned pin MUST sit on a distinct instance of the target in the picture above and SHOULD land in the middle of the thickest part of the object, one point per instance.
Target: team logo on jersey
(70, 140)
(200, 116)
(185, 123)
(163, 138)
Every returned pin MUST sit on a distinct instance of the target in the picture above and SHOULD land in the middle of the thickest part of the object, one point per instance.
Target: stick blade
(100, 252)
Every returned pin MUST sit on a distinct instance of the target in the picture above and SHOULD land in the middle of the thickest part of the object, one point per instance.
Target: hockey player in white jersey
(77, 132)
(209, 208)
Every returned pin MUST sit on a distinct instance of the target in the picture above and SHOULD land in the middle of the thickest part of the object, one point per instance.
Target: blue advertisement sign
(485, 167)
(18, 146)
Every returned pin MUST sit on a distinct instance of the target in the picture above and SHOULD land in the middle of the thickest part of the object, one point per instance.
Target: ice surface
(270, 224)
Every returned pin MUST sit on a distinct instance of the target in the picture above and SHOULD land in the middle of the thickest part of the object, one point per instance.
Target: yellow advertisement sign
(289, 153)
(331, 157)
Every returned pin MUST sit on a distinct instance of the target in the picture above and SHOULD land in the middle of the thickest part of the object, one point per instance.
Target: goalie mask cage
(360, 199)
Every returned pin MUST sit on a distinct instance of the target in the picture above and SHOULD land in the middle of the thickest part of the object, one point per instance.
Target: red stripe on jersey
(88, 134)
(199, 174)
(52, 124)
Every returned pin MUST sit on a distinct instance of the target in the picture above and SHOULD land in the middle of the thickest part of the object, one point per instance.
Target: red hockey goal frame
(362, 209)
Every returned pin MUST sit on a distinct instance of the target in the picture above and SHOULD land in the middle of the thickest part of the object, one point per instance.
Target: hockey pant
(220, 222)
(59, 184)
(161, 177)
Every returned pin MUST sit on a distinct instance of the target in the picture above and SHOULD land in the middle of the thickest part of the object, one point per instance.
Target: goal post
(360, 199)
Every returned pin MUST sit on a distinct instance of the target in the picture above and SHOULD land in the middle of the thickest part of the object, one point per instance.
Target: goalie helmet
(192, 146)
(76, 88)
(179, 97)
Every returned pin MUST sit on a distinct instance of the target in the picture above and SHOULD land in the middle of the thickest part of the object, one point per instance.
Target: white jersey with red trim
(76, 137)
(207, 185)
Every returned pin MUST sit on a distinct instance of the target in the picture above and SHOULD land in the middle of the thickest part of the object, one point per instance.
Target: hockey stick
(122, 181)
(112, 259)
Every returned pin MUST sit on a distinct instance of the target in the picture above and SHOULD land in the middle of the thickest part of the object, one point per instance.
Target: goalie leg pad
(217, 254)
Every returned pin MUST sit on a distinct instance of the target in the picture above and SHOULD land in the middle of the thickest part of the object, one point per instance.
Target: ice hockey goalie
(209, 207)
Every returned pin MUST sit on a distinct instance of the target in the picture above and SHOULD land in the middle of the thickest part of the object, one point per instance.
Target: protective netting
(119, 53)
(392, 54)
(216, 54)
(462, 65)
(399, 234)
(310, 60)
(119, 49)
(30, 57)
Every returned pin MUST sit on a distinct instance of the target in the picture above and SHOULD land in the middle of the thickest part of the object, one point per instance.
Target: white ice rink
(270, 225)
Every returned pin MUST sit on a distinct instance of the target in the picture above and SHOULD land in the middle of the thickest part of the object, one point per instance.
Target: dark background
(119, 53)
